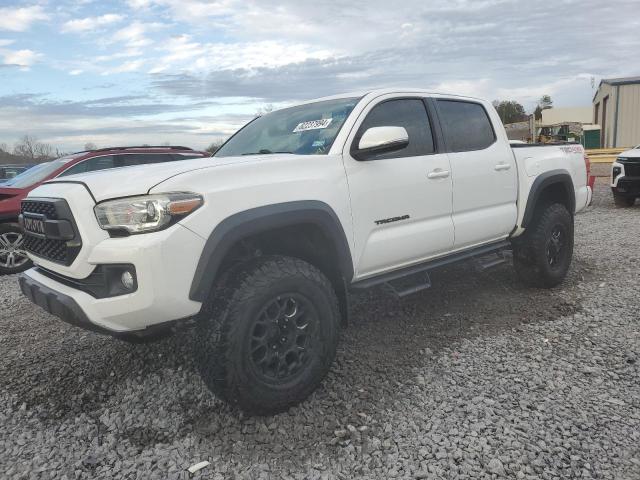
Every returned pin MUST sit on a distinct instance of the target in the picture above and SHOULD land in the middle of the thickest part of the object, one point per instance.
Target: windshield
(36, 174)
(304, 130)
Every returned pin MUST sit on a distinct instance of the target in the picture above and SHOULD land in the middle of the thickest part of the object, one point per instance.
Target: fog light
(127, 280)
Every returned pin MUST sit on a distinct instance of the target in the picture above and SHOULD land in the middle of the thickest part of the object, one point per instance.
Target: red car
(13, 258)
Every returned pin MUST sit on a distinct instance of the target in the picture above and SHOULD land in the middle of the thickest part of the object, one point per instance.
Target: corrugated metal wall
(628, 130)
(605, 91)
(629, 116)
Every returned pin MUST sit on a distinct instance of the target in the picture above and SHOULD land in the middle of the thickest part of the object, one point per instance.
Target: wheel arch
(554, 184)
(283, 218)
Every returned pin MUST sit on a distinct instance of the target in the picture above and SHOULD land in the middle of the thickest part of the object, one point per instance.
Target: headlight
(147, 213)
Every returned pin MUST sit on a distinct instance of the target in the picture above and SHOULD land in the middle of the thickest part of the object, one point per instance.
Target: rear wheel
(13, 257)
(270, 334)
(543, 255)
(623, 202)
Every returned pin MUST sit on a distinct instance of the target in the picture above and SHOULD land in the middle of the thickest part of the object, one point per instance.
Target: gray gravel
(476, 378)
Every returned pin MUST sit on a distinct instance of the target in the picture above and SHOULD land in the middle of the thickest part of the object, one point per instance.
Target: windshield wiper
(264, 151)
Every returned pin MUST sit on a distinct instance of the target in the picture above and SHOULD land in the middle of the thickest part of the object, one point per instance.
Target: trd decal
(392, 219)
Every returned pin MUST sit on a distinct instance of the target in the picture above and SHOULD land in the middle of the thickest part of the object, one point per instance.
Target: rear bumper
(67, 309)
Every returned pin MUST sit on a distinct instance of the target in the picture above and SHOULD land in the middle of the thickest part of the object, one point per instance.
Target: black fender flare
(543, 181)
(262, 219)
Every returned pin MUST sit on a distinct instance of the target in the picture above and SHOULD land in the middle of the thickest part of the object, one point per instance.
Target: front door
(401, 200)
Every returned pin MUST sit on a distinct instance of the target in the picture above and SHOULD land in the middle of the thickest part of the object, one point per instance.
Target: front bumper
(164, 264)
(67, 309)
(626, 187)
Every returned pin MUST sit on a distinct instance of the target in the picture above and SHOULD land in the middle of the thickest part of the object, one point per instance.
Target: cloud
(21, 58)
(186, 55)
(112, 107)
(20, 19)
(182, 53)
(134, 35)
(130, 66)
(91, 23)
(123, 120)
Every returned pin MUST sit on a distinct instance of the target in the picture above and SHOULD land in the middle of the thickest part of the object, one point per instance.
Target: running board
(401, 287)
(486, 262)
(416, 277)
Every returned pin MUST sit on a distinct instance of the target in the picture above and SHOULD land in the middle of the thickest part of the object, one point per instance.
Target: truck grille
(54, 250)
(42, 208)
(63, 250)
(631, 169)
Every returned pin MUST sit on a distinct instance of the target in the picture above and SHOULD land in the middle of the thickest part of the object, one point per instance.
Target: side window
(408, 113)
(100, 163)
(466, 125)
(77, 168)
(147, 158)
(187, 156)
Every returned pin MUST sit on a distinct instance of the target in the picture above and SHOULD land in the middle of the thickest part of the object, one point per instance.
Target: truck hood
(634, 154)
(140, 179)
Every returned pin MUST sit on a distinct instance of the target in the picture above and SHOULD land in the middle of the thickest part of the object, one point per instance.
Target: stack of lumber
(604, 155)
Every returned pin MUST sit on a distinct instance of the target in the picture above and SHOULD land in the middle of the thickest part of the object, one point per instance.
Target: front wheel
(543, 255)
(623, 202)
(270, 334)
(13, 257)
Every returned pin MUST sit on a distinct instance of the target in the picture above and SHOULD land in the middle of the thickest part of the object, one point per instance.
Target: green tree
(510, 111)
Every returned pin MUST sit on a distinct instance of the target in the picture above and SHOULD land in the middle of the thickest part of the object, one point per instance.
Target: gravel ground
(477, 377)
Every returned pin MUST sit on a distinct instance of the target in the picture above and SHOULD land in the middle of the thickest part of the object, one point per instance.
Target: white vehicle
(625, 178)
(262, 245)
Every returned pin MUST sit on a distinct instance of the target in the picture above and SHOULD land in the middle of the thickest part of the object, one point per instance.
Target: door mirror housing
(381, 140)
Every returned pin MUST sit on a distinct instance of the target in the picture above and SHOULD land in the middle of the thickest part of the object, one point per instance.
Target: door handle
(502, 166)
(438, 174)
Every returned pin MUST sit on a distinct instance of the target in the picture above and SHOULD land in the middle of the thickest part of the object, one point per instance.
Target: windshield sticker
(312, 125)
(318, 143)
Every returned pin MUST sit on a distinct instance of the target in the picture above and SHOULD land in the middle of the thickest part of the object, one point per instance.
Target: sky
(190, 72)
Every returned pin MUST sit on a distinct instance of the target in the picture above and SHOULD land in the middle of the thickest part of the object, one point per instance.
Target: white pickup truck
(260, 246)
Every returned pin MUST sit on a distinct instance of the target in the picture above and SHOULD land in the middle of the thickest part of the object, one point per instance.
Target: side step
(413, 279)
(413, 283)
(486, 262)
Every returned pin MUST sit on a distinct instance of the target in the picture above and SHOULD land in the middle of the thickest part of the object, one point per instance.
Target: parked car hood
(634, 153)
(8, 192)
(140, 179)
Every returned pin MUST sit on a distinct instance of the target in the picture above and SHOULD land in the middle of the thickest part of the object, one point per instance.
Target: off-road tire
(12, 229)
(623, 202)
(226, 330)
(531, 252)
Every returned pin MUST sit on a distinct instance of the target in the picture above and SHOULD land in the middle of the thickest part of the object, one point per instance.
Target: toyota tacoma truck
(625, 178)
(259, 247)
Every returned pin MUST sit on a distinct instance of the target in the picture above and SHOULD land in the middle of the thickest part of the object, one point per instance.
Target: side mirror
(381, 140)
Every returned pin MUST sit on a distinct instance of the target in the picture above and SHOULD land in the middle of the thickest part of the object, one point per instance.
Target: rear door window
(466, 125)
(409, 113)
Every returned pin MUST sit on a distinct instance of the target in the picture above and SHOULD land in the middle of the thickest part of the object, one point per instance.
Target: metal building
(616, 108)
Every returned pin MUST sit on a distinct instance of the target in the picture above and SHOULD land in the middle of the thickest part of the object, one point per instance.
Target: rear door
(484, 173)
(401, 200)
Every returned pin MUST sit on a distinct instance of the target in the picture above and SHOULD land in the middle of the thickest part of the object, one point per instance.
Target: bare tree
(213, 148)
(4, 148)
(90, 146)
(29, 147)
